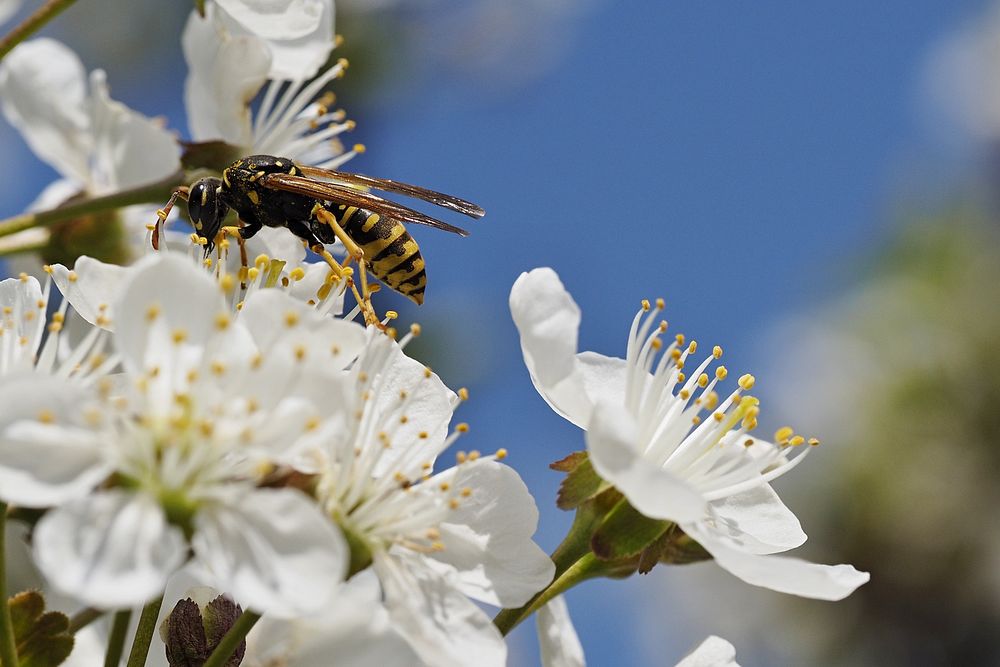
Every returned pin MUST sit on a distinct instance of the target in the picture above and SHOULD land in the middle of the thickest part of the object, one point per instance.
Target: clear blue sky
(734, 158)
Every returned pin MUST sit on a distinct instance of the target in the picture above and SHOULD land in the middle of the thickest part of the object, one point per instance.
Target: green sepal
(211, 155)
(625, 532)
(199, 6)
(42, 638)
(581, 483)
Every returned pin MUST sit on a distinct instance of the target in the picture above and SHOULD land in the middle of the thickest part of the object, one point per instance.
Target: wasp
(321, 206)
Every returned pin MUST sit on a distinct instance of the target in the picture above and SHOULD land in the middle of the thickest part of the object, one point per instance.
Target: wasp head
(208, 208)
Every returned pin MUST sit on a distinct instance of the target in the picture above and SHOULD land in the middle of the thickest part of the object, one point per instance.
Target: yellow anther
(703, 380)
(179, 336)
(656, 344)
(207, 262)
(291, 318)
(796, 441)
(58, 317)
(47, 268)
(501, 454)
(252, 405)
(748, 442)
(391, 314)
(41, 303)
(153, 371)
(227, 282)
(454, 504)
(297, 273)
(437, 546)
(403, 419)
(415, 329)
(462, 427)
(675, 354)
(461, 457)
(192, 376)
(721, 373)
(692, 347)
(335, 350)
(23, 277)
(680, 339)
(300, 352)
(218, 367)
(46, 417)
(444, 486)
(72, 276)
(257, 360)
(261, 261)
(717, 352)
(359, 148)
(685, 394)
(152, 313)
(423, 435)
(660, 304)
(474, 455)
(466, 492)
(253, 272)
(680, 376)
(747, 381)
(813, 442)
(664, 326)
(696, 420)
(783, 434)
(463, 394)
(645, 304)
(222, 321)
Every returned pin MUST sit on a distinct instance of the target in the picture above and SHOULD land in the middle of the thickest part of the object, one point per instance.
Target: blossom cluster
(208, 439)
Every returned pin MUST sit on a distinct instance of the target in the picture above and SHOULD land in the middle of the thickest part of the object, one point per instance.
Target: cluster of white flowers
(232, 428)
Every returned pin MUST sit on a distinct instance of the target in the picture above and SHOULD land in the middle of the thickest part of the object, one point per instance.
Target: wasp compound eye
(207, 209)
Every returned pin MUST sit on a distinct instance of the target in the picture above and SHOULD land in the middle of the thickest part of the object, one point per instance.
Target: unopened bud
(193, 630)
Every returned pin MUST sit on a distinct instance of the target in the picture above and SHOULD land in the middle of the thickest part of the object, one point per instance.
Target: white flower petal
(557, 638)
(355, 628)
(779, 573)
(299, 33)
(759, 520)
(54, 194)
(184, 298)
(487, 538)
(112, 549)
(46, 464)
(92, 287)
(129, 148)
(225, 73)
(43, 94)
(443, 625)
(272, 550)
(612, 440)
(713, 652)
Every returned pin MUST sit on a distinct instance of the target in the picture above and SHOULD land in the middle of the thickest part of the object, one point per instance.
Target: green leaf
(582, 482)
(42, 638)
(625, 532)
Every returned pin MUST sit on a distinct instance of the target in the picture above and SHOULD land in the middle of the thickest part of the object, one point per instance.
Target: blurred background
(811, 187)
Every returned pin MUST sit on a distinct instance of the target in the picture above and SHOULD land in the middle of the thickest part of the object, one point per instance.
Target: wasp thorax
(207, 209)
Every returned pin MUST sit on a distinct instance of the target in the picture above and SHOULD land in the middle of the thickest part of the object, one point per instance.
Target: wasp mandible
(321, 206)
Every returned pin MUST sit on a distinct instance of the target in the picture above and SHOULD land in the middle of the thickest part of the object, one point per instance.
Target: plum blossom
(167, 458)
(240, 48)
(434, 539)
(646, 436)
(97, 145)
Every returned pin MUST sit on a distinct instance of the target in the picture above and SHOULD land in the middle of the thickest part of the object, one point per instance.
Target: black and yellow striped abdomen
(391, 254)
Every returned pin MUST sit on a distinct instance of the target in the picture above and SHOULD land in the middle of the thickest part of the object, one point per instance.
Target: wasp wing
(343, 194)
(386, 185)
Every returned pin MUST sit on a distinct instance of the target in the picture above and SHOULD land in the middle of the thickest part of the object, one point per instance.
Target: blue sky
(734, 158)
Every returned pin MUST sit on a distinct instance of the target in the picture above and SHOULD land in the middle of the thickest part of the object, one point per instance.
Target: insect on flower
(321, 206)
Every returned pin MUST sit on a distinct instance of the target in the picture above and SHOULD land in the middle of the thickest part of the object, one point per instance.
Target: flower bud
(192, 630)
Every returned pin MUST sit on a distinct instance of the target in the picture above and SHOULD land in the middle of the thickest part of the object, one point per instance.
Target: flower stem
(144, 194)
(116, 640)
(33, 24)
(8, 647)
(231, 640)
(144, 633)
(83, 618)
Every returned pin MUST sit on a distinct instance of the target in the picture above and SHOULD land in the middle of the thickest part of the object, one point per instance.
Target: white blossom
(229, 64)
(167, 457)
(435, 540)
(647, 436)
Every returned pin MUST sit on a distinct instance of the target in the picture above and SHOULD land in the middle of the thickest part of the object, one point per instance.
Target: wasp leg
(354, 252)
(239, 234)
(161, 215)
